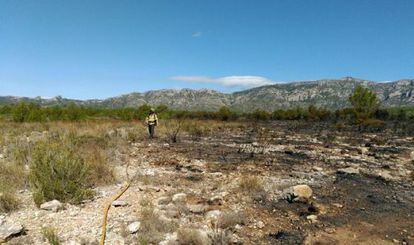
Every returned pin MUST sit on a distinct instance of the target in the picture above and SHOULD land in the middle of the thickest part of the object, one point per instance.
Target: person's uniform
(151, 121)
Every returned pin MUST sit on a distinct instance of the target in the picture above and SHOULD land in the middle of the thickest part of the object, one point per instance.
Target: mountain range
(328, 93)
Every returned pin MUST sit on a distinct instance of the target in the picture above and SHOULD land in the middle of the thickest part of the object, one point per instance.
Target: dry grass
(8, 202)
(153, 227)
(12, 178)
(251, 184)
(228, 220)
(49, 234)
(188, 236)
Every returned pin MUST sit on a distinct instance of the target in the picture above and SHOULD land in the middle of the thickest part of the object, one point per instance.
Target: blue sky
(98, 48)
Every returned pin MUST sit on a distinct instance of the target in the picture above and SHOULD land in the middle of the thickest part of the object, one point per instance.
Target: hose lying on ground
(106, 210)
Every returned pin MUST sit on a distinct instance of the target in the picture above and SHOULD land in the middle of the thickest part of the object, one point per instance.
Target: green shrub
(58, 172)
(50, 235)
(364, 102)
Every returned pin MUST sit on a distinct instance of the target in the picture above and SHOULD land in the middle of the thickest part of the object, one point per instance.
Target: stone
(171, 211)
(170, 239)
(235, 239)
(163, 200)
(7, 231)
(412, 156)
(260, 225)
(179, 198)
(299, 193)
(134, 227)
(197, 208)
(111, 133)
(348, 170)
(312, 218)
(213, 214)
(119, 203)
(216, 200)
(317, 169)
(363, 150)
(54, 206)
(338, 205)
(385, 175)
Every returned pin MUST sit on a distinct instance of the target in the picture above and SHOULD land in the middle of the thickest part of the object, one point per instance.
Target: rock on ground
(134, 227)
(179, 198)
(54, 206)
(299, 193)
(6, 231)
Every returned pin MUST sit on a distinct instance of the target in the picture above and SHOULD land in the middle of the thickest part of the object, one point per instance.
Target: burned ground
(362, 187)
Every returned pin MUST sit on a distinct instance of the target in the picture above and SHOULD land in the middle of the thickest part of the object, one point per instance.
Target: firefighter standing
(151, 120)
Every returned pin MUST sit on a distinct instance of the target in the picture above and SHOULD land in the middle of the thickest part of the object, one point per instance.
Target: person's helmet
(152, 110)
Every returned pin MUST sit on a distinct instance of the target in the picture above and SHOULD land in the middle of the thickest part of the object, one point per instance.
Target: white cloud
(197, 34)
(229, 81)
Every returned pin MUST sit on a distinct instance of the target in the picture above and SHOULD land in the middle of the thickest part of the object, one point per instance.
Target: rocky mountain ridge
(329, 93)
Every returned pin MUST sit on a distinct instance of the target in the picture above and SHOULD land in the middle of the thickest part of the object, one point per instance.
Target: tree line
(365, 107)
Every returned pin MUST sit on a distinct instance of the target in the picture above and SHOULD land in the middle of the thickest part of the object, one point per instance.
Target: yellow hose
(108, 206)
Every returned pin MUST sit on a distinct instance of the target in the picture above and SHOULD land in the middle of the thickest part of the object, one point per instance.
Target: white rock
(260, 225)
(134, 227)
(179, 198)
(197, 208)
(348, 170)
(216, 200)
(363, 150)
(412, 156)
(10, 230)
(213, 214)
(119, 203)
(299, 193)
(312, 218)
(54, 206)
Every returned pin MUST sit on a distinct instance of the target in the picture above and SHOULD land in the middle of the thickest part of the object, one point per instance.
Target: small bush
(173, 129)
(12, 176)
(220, 237)
(101, 172)
(58, 172)
(372, 125)
(8, 202)
(251, 184)
(195, 130)
(50, 236)
(190, 236)
(228, 220)
(153, 226)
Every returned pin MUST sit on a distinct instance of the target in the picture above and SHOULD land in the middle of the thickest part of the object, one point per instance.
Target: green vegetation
(364, 102)
(365, 105)
(59, 172)
(50, 236)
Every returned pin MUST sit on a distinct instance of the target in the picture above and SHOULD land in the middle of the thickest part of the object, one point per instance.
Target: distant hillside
(332, 94)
